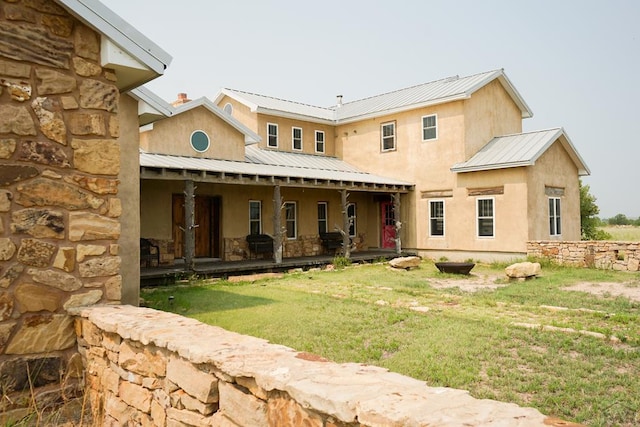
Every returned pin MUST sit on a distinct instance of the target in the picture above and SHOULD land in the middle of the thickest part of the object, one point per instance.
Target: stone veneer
(152, 368)
(608, 255)
(59, 190)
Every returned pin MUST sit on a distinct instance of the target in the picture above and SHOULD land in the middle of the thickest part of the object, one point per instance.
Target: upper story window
(228, 108)
(319, 141)
(290, 219)
(296, 138)
(555, 222)
(486, 218)
(322, 217)
(429, 127)
(388, 136)
(436, 218)
(255, 217)
(199, 141)
(272, 135)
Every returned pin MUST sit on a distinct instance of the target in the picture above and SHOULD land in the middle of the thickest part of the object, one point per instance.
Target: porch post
(190, 226)
(277, 225)
(346, 224)
(398, 223)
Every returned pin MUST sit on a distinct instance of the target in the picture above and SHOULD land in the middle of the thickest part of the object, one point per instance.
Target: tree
(588, 216)
(620, 219)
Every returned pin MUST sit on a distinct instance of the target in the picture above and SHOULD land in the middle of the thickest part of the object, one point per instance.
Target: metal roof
(518, 150)
(273, 164)
(432, 93)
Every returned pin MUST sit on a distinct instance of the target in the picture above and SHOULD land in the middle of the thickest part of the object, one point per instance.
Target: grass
(623, 233)
(464, 340)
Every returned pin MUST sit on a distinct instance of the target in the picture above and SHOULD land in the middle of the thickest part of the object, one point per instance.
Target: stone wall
(622, 256)
(152, 368)
(59, 189)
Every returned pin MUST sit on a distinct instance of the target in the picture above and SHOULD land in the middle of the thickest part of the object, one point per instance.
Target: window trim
(493, 217)
(353, 220)
(434, 127)
(326, 217)
(324, 141)
(293, 138)
(382, 136)
(295, 220)
(555, 218)
(259, 220)
(269, 135)
(431, 218)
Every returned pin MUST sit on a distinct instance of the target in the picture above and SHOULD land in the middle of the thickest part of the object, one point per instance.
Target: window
(319, 141)
(255, 217)
(429, 127)
(322, 217)
(272, 135)
(436, 218)
(388, 134)
(485, 218)
(296, 138)
(555, 228)
(351, 215)
(199, 141)
(228, 108)
(290, 219)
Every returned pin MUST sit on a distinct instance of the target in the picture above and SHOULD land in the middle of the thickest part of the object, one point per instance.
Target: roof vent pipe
(339, 98)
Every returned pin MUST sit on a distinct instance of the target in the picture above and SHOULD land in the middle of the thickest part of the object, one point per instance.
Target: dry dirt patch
(629, 290)
(472, 283)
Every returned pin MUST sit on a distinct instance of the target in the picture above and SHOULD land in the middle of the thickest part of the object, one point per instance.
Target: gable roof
(522, 149)
(297, 168)
(152, 108)
(432, 93)
(134, 57)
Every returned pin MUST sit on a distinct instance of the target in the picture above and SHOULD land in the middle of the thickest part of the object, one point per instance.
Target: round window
(200, 141)
(228, 108)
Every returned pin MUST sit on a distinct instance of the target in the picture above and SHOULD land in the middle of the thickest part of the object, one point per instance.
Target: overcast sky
(576, 63)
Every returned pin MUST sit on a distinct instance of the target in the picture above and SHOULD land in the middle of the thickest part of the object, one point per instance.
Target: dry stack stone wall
(607, 255)
(152, 368)
(59, 205)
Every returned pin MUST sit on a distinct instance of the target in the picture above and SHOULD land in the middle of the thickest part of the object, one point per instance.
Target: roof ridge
(278, 99)
(531, 131)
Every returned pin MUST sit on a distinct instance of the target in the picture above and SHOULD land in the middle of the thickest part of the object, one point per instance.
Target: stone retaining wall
(145, 367)
(622, 256)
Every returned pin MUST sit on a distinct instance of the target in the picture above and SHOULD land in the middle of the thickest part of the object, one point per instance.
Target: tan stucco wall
(240, 112)
(554, 169)
(308, 134)
(172, 136)
(129, 195)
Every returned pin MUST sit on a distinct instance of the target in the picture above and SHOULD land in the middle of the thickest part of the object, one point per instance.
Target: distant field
(627, 233)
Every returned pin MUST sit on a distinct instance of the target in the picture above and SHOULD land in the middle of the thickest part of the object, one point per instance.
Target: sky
(575, 62)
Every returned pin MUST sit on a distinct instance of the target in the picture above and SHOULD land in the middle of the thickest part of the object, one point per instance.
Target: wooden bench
(149, 253)
(260, 243)
(331, 240)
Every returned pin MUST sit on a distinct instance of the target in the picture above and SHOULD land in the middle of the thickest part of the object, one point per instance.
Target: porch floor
(211, 267)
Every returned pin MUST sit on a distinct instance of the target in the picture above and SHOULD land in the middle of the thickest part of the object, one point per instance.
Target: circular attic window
(228, 108)
(200, 141)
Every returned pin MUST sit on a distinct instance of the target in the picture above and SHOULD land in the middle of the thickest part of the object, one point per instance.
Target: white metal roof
(432, 93)
(521, 149)
(272, 163)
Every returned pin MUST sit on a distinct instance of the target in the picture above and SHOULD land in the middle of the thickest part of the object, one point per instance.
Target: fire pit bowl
(455, 267)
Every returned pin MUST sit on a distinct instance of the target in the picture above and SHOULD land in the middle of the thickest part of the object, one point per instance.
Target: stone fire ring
(455, 267)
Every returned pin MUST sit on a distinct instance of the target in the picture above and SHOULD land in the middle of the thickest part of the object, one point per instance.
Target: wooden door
(207, 220)
(388, 225)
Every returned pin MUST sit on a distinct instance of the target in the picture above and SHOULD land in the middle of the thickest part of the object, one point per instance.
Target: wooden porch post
(277, 225)
(398, 223)
(190, 226)
(346, 224)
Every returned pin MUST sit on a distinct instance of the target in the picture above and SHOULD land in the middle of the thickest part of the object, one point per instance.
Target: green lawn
(465, 340)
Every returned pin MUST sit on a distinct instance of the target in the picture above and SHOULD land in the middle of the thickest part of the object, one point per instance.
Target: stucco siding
(172, 136)
(285, 139)
(240, 112)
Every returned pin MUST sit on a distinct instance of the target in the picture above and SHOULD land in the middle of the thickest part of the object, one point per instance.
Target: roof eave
(289, 115)
(463, 169)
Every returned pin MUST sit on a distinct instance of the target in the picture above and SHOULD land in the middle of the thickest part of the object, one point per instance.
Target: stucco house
(447, 161)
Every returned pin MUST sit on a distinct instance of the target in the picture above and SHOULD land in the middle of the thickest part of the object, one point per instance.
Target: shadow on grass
(201, 300)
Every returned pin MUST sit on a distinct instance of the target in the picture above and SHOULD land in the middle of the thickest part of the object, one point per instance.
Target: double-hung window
(255, 217)
(322, 217)
(555, 222)
(388, 136)
(296, 138)
(290, 219)
(319, 141)
(429, 127)
(351, 215)
(486, 218)
(436, 218)
(272, 135)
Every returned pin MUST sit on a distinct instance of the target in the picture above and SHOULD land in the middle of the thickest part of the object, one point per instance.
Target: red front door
(388, 225)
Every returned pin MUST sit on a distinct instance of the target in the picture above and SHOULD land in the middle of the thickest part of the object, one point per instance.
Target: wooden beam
(190, 226)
